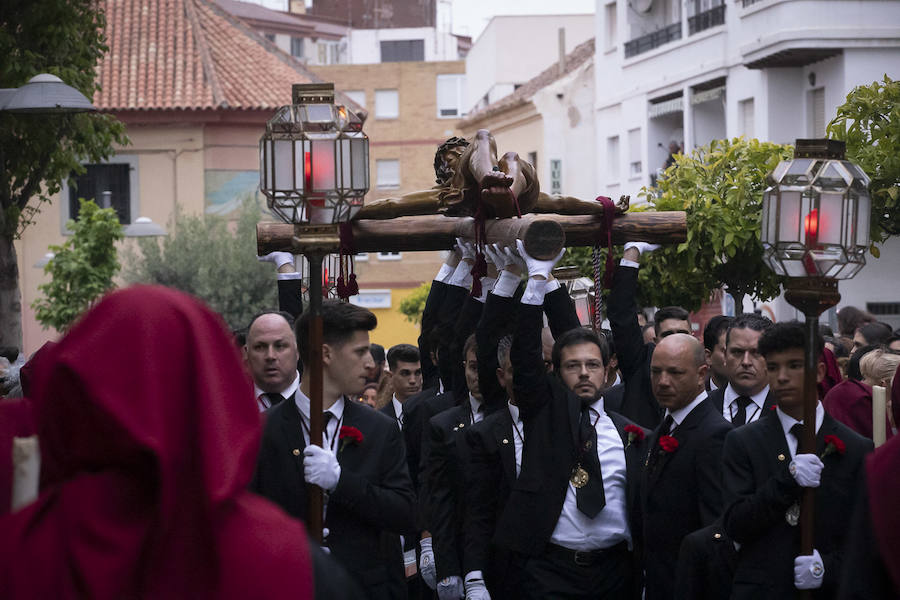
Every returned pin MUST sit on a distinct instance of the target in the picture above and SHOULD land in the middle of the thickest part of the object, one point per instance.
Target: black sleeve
(483, 473)
(429, 320)
(451, 307)
(864, 575)
(531, 384)
(496, 319)
(442, 481)
(290, 296)
(622, 313)
(708, 467)
(560, 311)
(465, 326)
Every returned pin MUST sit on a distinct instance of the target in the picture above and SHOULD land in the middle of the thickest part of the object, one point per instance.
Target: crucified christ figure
(507, 186)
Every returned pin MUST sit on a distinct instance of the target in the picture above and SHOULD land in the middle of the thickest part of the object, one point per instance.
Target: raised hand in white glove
(514, 261)
(807, 470)
(466, 249)
(642, 246)
(426, 563)
(277, 258)
(321, 467)
(809, 571)
(475, 588)
(450, 588)
(494, 256)
(538, 268)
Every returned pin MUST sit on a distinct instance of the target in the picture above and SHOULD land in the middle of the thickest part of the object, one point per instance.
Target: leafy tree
(82, 269)
(206, 256)
(413, 305)
(869, 122)
(720, 186)
(37, 152)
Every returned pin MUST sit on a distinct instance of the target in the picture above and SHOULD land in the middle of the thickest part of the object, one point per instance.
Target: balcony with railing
(706, 19)
(652, 40)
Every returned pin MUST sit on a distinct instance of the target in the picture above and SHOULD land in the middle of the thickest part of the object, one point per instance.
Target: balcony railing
(706, 19)
(648, 42)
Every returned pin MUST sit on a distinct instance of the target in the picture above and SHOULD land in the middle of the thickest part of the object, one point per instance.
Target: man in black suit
(369, 495)
(746, 397)
(764, 475)
(570, 513)
(634, 355)
(681, 489)
(270, 354)
(406, 379)
(714, 342)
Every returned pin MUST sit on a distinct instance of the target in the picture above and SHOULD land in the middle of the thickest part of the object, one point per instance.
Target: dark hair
(853, 371)
(503, 348)
(579, 335)
(471, 344)
(891, 340)
(851, 318)
(787, 336)
(749, 321)
(714, 329)
(442, 171)
(840, 349)
(377, 351)
(369, 386)
(340, 320)
(610, 342)
(402, 352)
(287, 317)
(669, 312)
(875, 333)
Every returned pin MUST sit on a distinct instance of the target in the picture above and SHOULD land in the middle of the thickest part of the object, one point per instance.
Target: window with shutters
(817, 113)
(450, 93)
(402, 50)
(635, 164)
(297, 47)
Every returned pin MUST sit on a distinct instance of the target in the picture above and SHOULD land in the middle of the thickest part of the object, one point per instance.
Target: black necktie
(273, 398)
(797, 432)
(589, 498)
(666, 426)
(740, 417)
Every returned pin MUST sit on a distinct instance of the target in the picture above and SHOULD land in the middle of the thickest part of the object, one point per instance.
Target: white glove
(808, 571)
(450, 588)
(642, 246)
(321, 467)
(466, 249)
(277, 258)
(475, 588)
(535, 266)
(807, 470)
(513, 257)
(426, 563)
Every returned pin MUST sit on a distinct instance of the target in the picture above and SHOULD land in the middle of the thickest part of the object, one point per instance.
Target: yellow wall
(393, 328)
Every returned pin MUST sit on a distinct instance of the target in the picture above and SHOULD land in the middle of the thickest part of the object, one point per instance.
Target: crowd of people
(509, 453)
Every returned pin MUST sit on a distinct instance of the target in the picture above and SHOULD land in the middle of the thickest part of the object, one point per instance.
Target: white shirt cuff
(474, 575)
(629, 263)
(552, 286)
(288, 276)
(506, 285)
(462, 276)
(535, 290)
(444, 274)
(487, 284)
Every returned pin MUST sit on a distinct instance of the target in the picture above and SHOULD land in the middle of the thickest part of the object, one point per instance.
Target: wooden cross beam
(544, 235)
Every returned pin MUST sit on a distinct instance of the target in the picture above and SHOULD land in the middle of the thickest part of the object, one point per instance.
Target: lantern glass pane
(800, 172)
(283, 165)
(767, 233)
(789, 218)
(346, 180)
(262, 164)
(323, 165)
(299, 177)
(319, 113)
(794, 268)
(863, 210)
(359, 153)
(831, 215)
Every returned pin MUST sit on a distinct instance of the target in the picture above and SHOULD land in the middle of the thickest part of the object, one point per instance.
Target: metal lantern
(581, 290)
(314, 159)
(815, 215)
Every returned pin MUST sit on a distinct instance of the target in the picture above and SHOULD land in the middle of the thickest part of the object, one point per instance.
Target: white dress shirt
(574, 530)
(754, 409)
(263, 403)
(680, 414)
(788, 421)
(518, 435)
(398, 411)
(475, 412)
(330, 432)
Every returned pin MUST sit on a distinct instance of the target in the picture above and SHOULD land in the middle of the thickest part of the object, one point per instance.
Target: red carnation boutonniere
(668, 443)
(350, 435)
(833, 444)
(635, 434)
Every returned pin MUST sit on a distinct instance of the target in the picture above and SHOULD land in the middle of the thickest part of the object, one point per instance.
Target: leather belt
(586, 558)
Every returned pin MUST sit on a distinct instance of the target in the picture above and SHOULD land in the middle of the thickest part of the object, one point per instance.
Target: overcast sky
(471, 16)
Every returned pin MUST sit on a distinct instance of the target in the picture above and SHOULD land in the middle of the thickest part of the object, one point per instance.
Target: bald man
(681, 488)
(271, 357)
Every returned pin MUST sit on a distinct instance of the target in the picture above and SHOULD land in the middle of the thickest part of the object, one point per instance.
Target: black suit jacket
(706, 564)
(634, 355)
(717, 397)
(550, 413)
(681, 492)
(759, 489)
(373, 498)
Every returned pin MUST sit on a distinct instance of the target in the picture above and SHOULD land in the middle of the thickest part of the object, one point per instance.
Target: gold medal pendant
(579, 477)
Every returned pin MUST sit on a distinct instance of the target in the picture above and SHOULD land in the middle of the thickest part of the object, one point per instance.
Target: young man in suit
(714, 341)
(370, 498)
(746, 397)
(681, 488)
(764, 475)
(570, 513)
(406, 379)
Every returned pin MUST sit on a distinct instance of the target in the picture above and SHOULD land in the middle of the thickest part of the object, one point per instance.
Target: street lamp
(314, 173)
(43, 94)
(815, 231)
(581, 291)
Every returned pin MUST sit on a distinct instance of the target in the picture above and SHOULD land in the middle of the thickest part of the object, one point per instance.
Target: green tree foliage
(82, 269)
(720, 186)
(413, 305)
(37, 152)
(212, 259)
(869, 122)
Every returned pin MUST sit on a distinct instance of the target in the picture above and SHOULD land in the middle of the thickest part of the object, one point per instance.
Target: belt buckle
(583, 559)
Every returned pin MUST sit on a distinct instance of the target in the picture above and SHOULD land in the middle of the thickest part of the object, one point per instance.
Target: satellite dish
(642, 6)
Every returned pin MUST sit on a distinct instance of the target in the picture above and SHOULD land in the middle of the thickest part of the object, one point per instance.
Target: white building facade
(700, 70)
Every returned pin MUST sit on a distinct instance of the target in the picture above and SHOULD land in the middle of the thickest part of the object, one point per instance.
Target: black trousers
(560, 574)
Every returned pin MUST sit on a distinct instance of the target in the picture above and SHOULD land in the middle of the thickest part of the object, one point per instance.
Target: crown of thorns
(442, 171)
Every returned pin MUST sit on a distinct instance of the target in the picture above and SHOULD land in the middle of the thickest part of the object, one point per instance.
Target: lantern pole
(314, 517)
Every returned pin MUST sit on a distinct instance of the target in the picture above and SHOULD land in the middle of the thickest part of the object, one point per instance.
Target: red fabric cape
(882, 469)
(149, 433)
(850, 402)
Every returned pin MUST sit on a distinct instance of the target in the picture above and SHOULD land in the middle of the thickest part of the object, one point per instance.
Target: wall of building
(365, 44)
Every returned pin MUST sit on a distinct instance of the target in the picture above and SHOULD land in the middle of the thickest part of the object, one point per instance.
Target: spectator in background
(648, 331)
(850, 401)
(871, 334)
(406, 379)
(714, 342)
(373, 374)
(369, 395)
(850, 319)
(893, 342)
